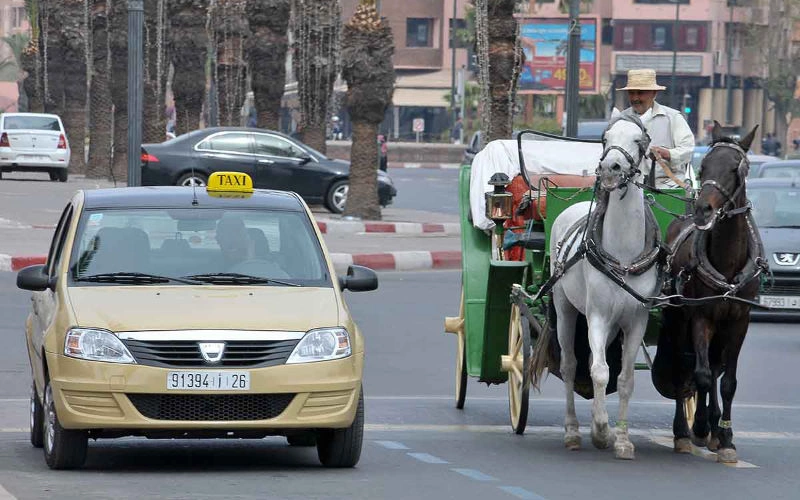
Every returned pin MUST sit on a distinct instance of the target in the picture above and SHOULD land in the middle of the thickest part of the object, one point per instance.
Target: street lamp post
(135, 90)
(728, 80)
(573, 67)
(453, 109)
(673, 84)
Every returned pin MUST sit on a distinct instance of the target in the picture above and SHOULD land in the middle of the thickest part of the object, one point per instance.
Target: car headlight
(322, 344)
(96, 345)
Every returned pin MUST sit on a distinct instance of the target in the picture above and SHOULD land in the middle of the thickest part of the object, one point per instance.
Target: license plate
(36, 158)
(780, 301)
(206, 380)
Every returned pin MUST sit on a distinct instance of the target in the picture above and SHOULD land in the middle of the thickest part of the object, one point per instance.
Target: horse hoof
(624, 451)
(600, 441)
(683, 445)
(713, 443)
(572, 442)
(700, 442)
(727, 456)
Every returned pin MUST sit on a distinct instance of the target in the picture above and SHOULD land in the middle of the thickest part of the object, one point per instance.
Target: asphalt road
(433, 190)
(417, 445)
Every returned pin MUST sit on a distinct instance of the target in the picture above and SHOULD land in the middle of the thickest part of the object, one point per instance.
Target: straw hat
(642, 79)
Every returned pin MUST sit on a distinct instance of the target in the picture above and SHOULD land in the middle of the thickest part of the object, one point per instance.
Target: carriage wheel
(516, 364)
(689, 407)
(456, 325)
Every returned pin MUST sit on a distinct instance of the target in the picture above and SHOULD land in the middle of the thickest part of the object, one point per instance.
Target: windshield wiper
(133, 277)
(236, 279)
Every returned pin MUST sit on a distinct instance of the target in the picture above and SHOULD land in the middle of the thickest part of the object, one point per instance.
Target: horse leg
(680, 427)
(599, 331)
(727, 451)
(634, 332)
(567, 317)
(714, 412)
(701, 336)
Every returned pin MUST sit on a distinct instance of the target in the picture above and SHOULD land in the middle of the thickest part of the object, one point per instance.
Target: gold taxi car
(169, 312)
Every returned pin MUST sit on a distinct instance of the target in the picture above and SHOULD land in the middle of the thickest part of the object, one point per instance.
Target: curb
(388, 261)
(408, 228)
(443, 166)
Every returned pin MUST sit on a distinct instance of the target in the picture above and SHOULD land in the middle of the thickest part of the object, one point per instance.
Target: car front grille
(210, 407)
(186, 353)
(780, 287)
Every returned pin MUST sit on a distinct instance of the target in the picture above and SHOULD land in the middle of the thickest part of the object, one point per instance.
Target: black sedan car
(776, 208)
(273, 161)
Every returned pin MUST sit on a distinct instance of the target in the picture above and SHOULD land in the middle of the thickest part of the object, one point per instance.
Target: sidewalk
(406, 239)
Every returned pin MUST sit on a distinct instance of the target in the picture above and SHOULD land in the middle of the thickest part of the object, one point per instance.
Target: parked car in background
(273, 160)
(34, 142)
(776, 209)
(777, 168)
(756, 160)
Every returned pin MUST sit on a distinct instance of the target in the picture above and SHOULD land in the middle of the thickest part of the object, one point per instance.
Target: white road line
(704, 453)
(521, 493)
(474, 474)
(427, 458)
(5, 495)
(393, 445)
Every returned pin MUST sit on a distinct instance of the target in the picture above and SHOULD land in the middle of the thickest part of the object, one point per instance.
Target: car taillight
(4, 141)
(148, 158)
(62, 142)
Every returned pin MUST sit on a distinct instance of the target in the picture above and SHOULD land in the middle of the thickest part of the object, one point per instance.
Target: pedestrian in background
(384, 152)
(455, 134)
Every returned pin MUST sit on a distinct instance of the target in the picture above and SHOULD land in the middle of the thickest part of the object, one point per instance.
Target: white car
(34, 142)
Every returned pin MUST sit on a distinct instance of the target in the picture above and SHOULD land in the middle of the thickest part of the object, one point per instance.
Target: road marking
(704, 453)
(13, 429)
(521, 493)
(5, 495)
(474, 474)
(393, 445)
(428, 459)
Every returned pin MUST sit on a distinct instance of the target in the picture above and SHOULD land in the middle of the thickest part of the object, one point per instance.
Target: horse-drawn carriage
(515, 284)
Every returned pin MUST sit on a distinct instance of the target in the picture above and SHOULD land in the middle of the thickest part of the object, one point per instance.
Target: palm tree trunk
(188, 49)
(231, 31)
(265, 52)
(100, 109)
(504, 60)
(317, 28)
(154, 126)
(32, 60)
(367, 50)
(118, 84)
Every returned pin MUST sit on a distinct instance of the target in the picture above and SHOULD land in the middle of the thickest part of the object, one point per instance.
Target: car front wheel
(63, 448)
(342, 447)
(337, 196)
(190, 179)
(37, 419)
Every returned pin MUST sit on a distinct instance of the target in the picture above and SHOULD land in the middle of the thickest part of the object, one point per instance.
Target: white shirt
(668, 129)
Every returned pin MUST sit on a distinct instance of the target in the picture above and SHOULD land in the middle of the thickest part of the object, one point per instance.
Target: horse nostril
(616, 167)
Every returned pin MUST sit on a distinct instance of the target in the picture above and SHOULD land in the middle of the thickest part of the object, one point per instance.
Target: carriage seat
(538, 209)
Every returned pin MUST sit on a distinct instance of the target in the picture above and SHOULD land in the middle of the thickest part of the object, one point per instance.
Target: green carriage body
(487, 282)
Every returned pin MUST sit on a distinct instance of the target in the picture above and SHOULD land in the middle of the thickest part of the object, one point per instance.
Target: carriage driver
(671, 138)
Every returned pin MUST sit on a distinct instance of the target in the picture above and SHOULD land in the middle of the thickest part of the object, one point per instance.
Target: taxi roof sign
(229, 182)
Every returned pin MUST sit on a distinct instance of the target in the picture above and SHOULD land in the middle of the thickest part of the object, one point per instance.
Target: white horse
(585, 289)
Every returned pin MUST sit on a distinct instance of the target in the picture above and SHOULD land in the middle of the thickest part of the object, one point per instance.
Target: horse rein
(729, 209)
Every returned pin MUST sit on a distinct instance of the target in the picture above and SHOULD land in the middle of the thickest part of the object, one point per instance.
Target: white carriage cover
(541, 157)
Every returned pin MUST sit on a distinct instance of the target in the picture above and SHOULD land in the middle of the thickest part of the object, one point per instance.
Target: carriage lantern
(499, 203)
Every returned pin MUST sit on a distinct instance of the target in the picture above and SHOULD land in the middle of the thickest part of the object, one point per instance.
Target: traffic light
(687, 104)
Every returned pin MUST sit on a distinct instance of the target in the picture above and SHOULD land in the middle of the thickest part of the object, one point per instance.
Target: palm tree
(265, 51)
(100, 104)
(231, 33)
(31, 61)
(188, 49)
(317, 35)
(154, 125)
(17, 43)
(118, 82)
(367, 49)
(66, 72)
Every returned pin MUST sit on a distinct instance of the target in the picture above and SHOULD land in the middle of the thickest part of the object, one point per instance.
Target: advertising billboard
(545, 44)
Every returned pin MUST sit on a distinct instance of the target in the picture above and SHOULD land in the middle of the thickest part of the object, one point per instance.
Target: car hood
(778, 241)
(138, 308)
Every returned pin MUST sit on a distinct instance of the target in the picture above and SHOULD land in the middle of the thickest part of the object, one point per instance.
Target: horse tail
(546, 352)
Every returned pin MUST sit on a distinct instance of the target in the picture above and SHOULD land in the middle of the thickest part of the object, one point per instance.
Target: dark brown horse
(717, 252)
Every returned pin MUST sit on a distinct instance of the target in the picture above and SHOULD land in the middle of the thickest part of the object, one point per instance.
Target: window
(685, 2)
(607, 33)
(659, 37)
(180, 242)
(691, 36)
(18, 16)
(419, 32)
(627, 36)
(228, 143)
(57, 245)
(270, 145)
(28, 122)
(460, 26)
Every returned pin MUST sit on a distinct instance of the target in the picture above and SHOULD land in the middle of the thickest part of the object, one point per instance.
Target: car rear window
(775, 206)
(31, 123)
(182, 242)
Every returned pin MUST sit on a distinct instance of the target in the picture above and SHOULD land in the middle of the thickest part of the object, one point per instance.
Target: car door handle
(266, 162)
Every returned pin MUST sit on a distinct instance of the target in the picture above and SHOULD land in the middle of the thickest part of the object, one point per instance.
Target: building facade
(13, 20)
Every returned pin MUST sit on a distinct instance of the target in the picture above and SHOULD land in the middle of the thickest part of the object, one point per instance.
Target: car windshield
(779, 171)
(197, 246)
(775, 206)
(31, 123)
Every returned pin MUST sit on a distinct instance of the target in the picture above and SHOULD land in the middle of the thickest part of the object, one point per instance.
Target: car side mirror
(35, 279)
(359, 279)
(304, 158)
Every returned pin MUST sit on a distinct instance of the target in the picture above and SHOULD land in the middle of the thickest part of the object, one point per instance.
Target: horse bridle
(633, 165)
(728, 209)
